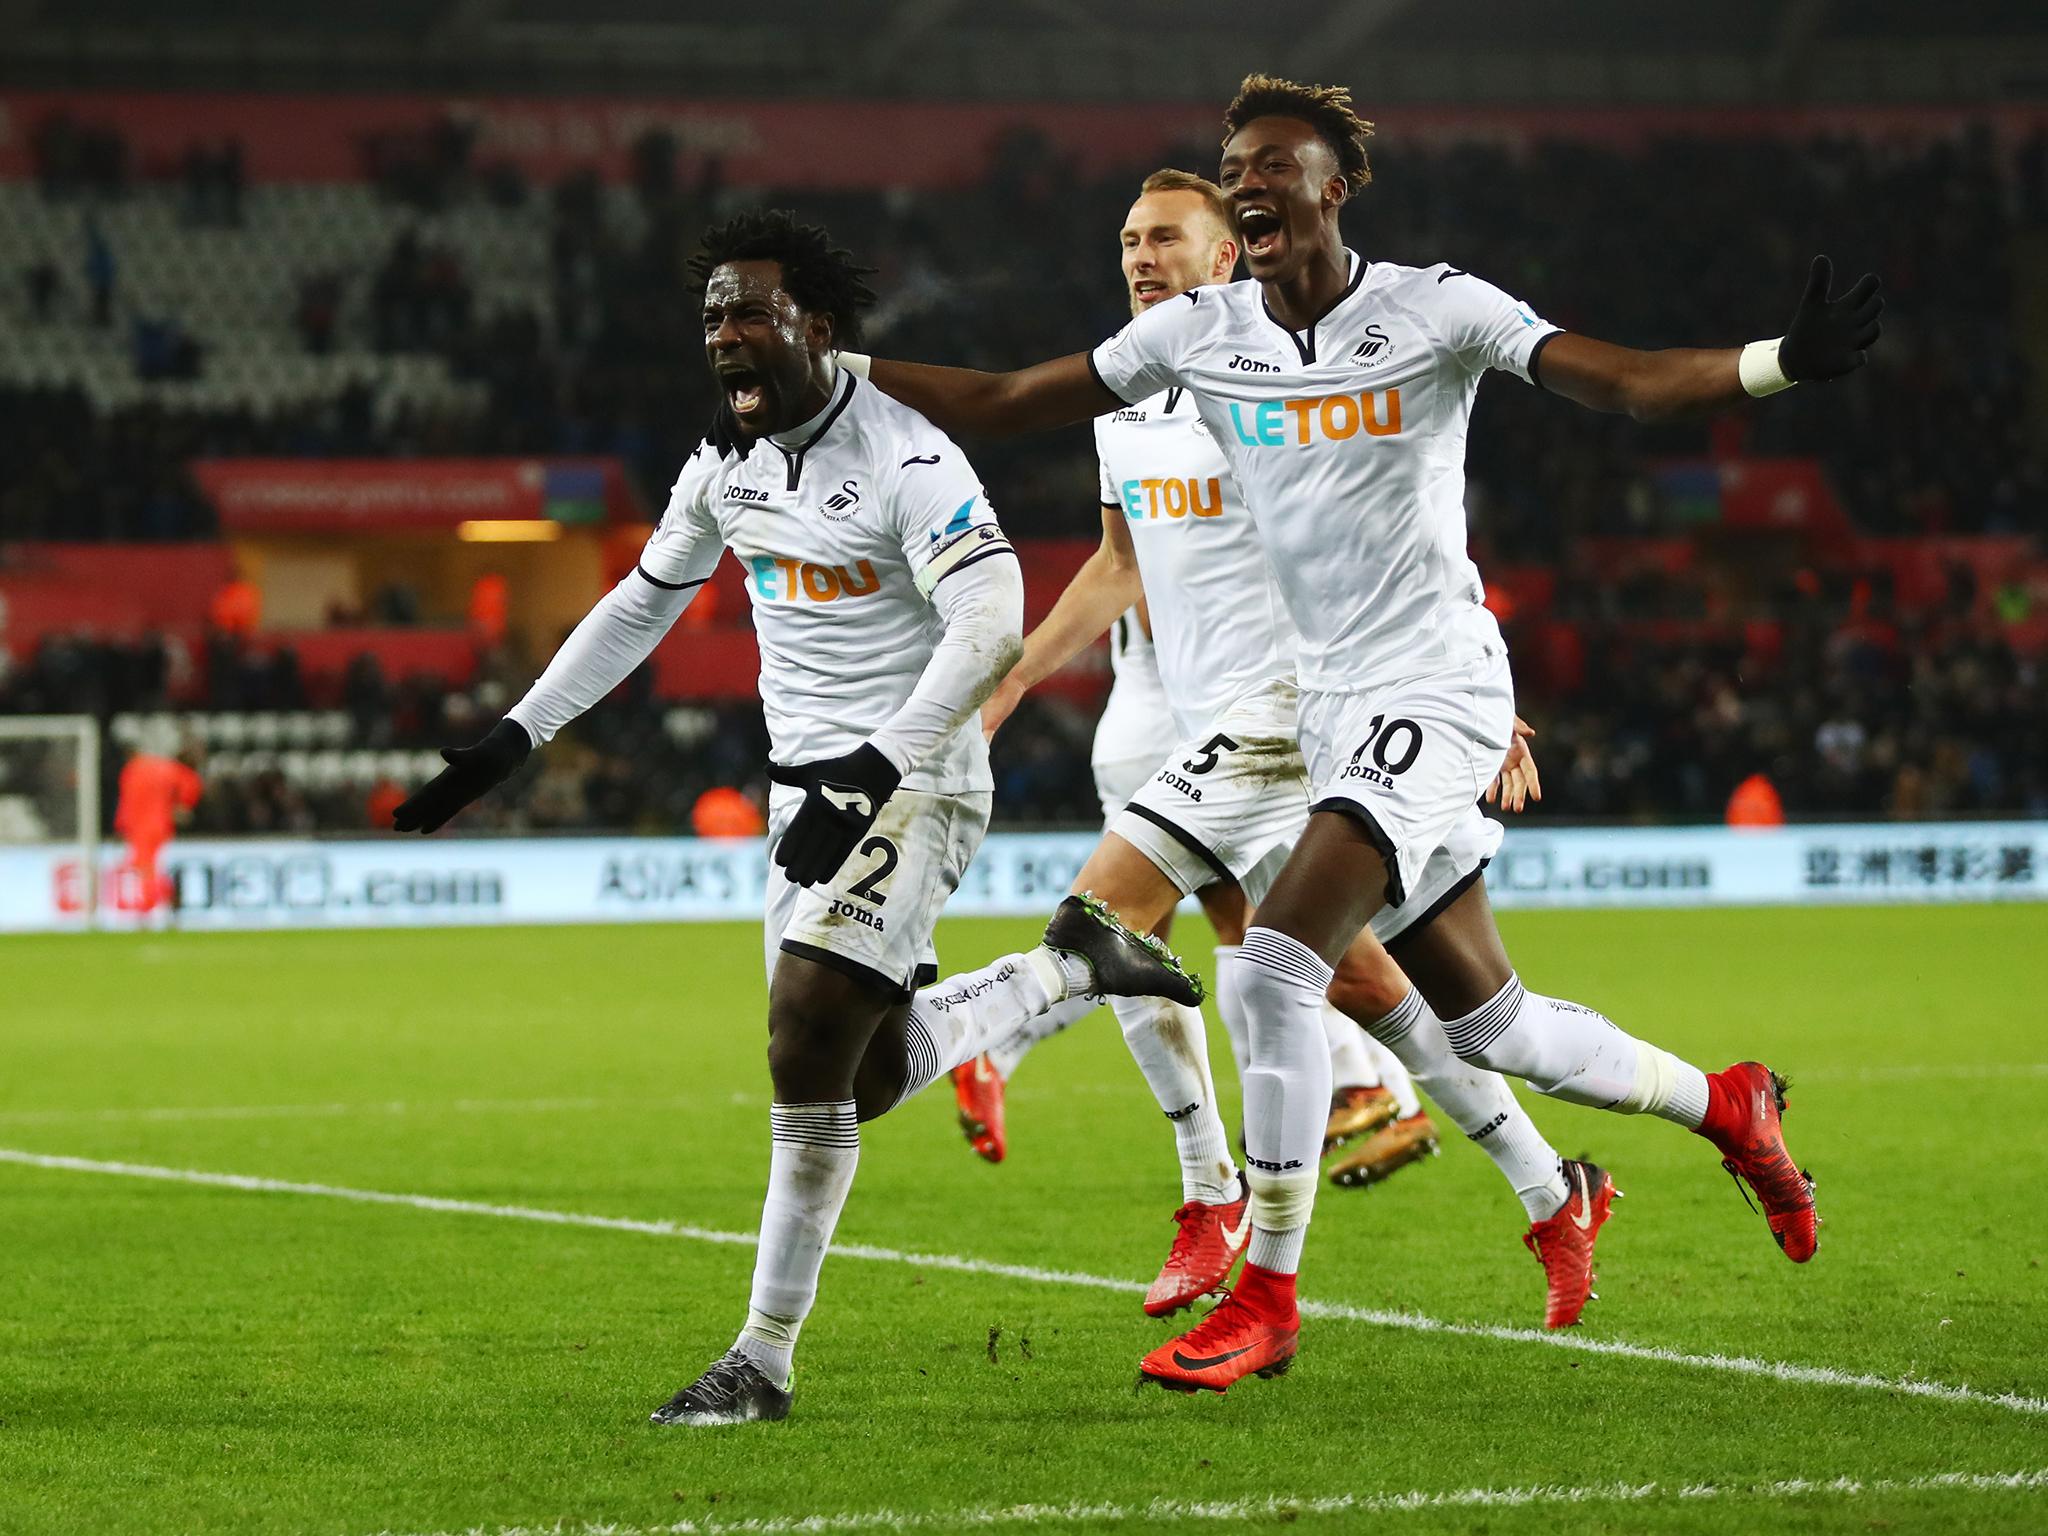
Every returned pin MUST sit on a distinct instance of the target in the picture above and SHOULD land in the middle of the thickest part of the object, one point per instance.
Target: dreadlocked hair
(1325, 108)
(823, 278)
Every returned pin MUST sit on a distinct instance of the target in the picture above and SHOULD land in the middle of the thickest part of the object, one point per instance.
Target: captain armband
(984, 541)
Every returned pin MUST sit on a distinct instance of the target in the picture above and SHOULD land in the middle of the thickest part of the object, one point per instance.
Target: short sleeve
(1112, 495)
(941, 513)
(686, 544)
(1145, 356)
(1484, 326)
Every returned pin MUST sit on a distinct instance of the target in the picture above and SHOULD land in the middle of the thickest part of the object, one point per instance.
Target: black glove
(471, 772)
(842, 798)
(1828, 337)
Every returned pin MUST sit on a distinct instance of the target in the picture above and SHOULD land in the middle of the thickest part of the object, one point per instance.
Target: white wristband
(856, 363)
(1759, 370)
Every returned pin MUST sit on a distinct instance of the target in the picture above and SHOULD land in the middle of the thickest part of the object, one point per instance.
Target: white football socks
(1350, 1065)
(815, 1148)
(1478, 1102)
(1284, 985)
(1230, 1008)
(1009, 1052)
(1393, 1076)
(1571, 1052)
(957, 1018)
(1170, 1044)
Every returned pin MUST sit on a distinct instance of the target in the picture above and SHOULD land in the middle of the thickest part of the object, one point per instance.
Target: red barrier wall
(823, 144)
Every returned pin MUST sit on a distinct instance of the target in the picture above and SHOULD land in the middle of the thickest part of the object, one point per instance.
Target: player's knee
(878, 1084)
(806, 1055)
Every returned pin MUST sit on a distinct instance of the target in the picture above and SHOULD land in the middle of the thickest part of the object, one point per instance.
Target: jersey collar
(1305, 341)
(794, 444)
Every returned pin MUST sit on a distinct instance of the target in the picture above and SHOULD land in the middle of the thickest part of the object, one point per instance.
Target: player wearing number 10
(1226, 805)
(887, 604)
(1340, 390)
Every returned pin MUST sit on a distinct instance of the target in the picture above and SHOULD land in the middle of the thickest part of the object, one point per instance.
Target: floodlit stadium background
(345, 359)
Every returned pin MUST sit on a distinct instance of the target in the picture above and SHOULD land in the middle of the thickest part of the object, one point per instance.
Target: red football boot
(1358, 1112)
(1204, 1249)
(978, 1090)
(1252, 1332)
(1563, 1243)
(1745, 1106)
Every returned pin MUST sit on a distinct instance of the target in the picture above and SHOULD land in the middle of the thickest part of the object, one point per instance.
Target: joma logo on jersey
(798, 581)
(1172, 498)
(842, 503)
(1242, 364)
(1329, 418)
(744, 493)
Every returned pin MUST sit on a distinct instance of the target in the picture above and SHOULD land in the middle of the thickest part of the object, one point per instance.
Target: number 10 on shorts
(1393, 745)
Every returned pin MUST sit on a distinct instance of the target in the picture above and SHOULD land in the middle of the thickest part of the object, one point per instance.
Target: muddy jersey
(1348, 442)
(1219, 624)
(842, 531)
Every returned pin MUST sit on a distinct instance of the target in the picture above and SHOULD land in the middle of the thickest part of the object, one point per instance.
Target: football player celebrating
(1340, 390)
(1229, 802)
(887, 604)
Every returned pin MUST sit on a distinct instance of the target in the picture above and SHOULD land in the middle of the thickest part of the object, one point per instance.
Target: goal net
(49, 820)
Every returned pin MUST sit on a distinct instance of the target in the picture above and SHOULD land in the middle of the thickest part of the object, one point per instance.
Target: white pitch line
(1279, 1507)
(1414, 1322)
(160, 1114)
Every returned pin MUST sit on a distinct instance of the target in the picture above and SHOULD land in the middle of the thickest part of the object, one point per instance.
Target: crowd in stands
(1021, 265)
(1647, 707)
(1848, 710)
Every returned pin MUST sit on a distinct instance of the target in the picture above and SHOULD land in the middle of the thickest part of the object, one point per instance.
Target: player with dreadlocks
(888, 605)
(1340, 391)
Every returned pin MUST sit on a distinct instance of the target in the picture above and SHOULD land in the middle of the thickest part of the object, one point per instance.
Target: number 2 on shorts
(869, 886)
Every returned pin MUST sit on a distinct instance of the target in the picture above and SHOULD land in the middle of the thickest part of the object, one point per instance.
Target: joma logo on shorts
(861, 915)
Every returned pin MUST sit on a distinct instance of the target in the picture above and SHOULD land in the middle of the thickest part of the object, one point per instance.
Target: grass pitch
(184, 1357)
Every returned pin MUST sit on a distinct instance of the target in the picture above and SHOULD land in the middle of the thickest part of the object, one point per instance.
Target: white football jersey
(1348, 441)
(839, 528)
(1219, 623)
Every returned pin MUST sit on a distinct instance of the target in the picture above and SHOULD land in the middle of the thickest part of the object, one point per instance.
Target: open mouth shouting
(745, 391)
(1260, 228)
(1149, 290)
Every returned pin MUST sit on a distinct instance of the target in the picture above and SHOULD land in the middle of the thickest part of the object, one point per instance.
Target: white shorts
(1132, 735)
(1119, 779)
(1227, 806)
(1410, 762)
(874, 919)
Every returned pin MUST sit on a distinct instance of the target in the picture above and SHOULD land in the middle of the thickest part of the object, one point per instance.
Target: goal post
(50, 792)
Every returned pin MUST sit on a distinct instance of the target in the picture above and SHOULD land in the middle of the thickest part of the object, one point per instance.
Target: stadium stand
(1676, 634)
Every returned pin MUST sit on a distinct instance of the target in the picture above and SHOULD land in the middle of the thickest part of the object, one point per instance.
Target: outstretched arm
(1106, 585)
(1827, 339)
(966, 400)
(614, 638)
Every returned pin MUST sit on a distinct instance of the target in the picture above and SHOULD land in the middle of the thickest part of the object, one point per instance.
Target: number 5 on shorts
(1212, 749)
